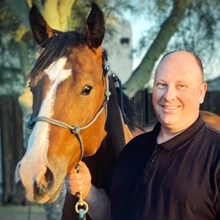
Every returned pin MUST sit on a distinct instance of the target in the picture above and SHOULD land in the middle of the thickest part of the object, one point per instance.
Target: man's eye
(181, 86)
(161, 85)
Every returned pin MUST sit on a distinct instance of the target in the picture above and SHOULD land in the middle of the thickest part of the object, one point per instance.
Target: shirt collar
(177, 142)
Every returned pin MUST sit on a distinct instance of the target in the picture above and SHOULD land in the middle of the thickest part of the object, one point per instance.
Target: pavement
(28, 212)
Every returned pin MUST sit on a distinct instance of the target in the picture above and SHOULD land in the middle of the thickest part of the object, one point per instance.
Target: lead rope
(121, 97)
(81, 207)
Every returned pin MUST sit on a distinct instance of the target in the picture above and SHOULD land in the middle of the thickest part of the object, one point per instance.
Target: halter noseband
(76, 129)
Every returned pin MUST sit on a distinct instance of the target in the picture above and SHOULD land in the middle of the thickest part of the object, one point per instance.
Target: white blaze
(33, 165)
(40, 134)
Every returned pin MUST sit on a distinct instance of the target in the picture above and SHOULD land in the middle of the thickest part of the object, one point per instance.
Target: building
(119, 46)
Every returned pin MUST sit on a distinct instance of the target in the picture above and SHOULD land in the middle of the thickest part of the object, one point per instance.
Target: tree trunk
(11, 143)
(141, 76)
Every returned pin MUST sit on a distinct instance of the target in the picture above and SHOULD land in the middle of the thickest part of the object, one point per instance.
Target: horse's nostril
(43, 186)
(49, 178)
(20, 185)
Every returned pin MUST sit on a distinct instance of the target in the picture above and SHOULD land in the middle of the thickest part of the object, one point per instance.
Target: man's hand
(79, 182)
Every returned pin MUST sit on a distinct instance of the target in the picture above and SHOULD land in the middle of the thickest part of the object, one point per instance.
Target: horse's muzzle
(42, 187)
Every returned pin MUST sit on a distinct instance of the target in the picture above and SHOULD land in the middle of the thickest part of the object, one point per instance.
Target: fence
(11, 145)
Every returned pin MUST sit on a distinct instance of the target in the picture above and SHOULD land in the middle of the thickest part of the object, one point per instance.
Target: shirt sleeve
(99, 204)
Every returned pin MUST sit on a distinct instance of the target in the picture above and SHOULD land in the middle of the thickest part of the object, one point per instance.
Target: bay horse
(75, 112)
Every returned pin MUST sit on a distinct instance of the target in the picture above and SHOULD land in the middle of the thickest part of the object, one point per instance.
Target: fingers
(79, 182)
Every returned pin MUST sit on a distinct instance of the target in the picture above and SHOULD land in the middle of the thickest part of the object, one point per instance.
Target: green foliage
(9, 23)
(13, 32)
(81, 9)
(199, 28)
(199, 33)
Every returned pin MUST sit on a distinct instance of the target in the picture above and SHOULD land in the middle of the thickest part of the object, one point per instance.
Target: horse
(75, 111)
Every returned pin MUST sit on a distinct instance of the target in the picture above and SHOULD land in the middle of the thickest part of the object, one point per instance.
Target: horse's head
(69, 95)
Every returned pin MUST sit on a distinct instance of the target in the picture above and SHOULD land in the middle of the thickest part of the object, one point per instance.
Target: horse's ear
(95, 27)
(41, 30)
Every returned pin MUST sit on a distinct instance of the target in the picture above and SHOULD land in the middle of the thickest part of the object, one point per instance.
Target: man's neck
(166, 135)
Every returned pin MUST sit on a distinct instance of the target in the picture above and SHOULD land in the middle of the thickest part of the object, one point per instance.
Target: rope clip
(81, 207)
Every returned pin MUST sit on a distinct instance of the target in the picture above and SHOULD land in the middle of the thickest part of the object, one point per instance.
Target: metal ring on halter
(81, 203)
(84, 204)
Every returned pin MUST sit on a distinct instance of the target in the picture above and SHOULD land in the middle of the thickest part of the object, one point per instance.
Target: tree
(191, 25)
(142, 74)
(174, 19)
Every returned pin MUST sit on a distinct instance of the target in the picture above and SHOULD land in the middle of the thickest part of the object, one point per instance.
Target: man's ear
(203, 90)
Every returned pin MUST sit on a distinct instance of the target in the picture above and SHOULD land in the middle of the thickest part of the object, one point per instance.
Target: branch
(142, 74)
(51, 14)
(65, 8)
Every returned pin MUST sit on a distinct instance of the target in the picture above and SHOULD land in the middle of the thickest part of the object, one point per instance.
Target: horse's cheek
(94, 143)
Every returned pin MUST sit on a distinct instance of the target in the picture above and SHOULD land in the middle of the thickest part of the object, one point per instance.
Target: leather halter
(76, 129)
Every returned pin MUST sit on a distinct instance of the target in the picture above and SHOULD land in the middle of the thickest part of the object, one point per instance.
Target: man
(173, 172)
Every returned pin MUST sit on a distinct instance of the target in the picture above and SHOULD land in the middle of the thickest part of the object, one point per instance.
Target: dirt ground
(29, 212)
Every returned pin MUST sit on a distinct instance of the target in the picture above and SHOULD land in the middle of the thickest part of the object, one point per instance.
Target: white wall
(119, 47)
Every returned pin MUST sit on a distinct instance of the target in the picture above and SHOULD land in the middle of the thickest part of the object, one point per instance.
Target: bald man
(172, 172)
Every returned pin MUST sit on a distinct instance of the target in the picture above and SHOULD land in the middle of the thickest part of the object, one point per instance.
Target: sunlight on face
(178, 90)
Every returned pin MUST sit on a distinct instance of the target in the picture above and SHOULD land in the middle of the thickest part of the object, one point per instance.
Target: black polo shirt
(176, 180)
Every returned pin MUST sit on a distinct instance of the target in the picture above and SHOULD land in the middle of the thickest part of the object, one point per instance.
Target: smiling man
(172, 172)
(178, 92)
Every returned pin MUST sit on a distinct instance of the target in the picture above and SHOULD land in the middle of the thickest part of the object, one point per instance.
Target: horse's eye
(86, 90)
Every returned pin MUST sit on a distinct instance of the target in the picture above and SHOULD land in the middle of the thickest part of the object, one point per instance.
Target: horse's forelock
(56, 47)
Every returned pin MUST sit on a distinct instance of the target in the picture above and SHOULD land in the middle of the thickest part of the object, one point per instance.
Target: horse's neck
(117, 136)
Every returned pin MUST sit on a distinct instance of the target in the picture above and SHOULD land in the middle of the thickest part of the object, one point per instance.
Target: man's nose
(170, 93)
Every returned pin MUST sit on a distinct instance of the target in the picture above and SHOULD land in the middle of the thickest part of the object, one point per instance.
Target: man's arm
(99, 204)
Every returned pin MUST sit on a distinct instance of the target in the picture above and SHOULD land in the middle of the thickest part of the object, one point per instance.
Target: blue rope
(82, 214)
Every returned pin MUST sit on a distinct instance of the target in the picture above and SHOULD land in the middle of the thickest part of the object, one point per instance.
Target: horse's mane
(56, 47)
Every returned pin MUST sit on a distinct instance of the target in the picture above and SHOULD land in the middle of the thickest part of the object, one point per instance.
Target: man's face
(178, 91)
